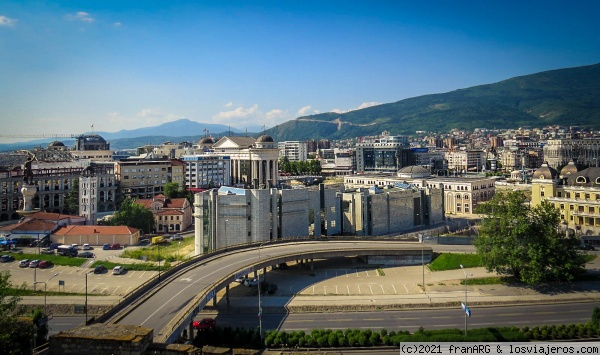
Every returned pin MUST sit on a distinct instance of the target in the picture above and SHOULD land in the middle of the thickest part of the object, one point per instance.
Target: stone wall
(100, 339)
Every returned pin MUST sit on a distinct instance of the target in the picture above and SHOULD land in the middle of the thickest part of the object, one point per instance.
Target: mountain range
(566, 97)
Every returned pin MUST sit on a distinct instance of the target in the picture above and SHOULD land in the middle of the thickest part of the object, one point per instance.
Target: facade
(465, 160)
(170, 215)
(385, 154)
(231, 216)
(141, 178)
(207, 170)
(92, 147)
(254, 162)
(558, 152)
(97, 191)
(96, 235)
(575, 193)
(293, 150)
(178, 172)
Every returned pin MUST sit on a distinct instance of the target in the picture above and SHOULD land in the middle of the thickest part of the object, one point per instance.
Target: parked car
(34, 263)
(53, 246)
(176, 237)
(46, 251)
(251, 282)
(44, 264)
(587, 247)
(206, 323)
(115, 246)
(75, 246)
(118, 270)
(86, 254)
(282, 266)
(24, 263)
(100, 269)
(6, 258)
(241, 279)
(106, 246)
(86, 247)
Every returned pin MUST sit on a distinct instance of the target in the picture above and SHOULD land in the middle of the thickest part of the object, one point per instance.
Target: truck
(66, 250)
(158, 240)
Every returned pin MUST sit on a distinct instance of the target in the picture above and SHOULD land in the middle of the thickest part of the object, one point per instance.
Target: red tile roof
(52, 216)
(170, 212)
(100, 230)
(31, 225)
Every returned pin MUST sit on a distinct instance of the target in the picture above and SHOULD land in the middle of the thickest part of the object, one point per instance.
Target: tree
(10, 310)
(171, 190)
(133, 215)
(525, 241)
(71, 203)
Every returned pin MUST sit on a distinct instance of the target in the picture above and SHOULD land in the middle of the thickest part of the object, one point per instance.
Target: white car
(86, 247)
(251, 282)
(118, 270)
(74, 246)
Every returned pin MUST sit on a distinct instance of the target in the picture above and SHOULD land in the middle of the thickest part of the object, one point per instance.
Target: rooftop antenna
(92, 128)
(263, 129)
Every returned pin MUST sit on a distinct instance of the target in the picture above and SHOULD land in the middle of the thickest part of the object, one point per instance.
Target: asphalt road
(411, 320)
(166, 303)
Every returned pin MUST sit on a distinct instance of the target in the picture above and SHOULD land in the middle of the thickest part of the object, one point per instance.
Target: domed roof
(545, 172)
(56, 144)
(94, 138)
(569, 169)
(205, 140)
(264, 139)
(413, 171)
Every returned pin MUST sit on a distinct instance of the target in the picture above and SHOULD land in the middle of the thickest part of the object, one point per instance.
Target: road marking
(127, 292)
(396, 292)
(370, 288)
(360, 293)
(324, 290)
(348, 288)
(132, 273)
(143, 272)
(336, 291)
(406, 288)
(313, 288)
(382, 290)
(373, 319)
(115, 291)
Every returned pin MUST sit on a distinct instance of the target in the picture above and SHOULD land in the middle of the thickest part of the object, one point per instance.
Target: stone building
(171, 215)
(97, 191)
(586, 151)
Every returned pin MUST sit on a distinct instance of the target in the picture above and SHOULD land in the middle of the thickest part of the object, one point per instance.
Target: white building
(202, 171)
(293, 150)
(465, 160)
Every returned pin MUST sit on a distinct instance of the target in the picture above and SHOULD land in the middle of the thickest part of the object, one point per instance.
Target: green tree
(525, 241)
(10, 310)
(133, 215)
(284, 164)
(71, 203)
(171, 190)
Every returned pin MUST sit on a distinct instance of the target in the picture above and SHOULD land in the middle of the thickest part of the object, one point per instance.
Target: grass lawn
(450, 261)
(169, 251)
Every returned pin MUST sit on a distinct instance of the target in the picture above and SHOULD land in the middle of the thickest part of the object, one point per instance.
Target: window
(562, 206)
(592, 210)
(542, 194)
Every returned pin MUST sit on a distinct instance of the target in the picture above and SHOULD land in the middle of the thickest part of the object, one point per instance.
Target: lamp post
(467, 311)
(226, 233)
(45, 285)
(178, 246)
(158, 251)
(260, 332)
(86, 296)
(423, 259)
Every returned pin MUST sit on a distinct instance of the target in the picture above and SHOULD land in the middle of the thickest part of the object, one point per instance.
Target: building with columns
(254, 163)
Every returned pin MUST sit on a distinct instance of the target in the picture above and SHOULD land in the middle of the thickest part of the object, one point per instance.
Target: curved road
(171, 298)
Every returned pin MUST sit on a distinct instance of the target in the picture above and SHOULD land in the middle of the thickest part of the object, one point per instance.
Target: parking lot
(72, 279)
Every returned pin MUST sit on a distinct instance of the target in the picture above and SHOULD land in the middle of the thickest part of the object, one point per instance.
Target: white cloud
(229, 104)
(276, 114)
(117, 24)
(240, 113)
(306, 110)
(81, 16)
(361, 106)
(251, 116)
(7, 21)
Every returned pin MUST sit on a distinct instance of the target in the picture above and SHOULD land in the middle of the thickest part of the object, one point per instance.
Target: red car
(115, 246)
(206, 323)
(44, 264)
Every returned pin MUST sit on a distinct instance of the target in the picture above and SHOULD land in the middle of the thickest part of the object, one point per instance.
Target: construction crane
(40, 135)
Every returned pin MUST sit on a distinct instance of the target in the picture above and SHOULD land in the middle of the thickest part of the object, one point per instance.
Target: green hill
(568, 97)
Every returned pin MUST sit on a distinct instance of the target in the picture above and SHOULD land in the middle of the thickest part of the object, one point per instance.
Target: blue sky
(68, 65)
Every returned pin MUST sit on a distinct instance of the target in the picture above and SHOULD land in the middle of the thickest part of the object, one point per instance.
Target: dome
(205, 140)
(414, 171)
(569, 169)
(265, 139)
(545, 172)
(56, 144)
(94, 138)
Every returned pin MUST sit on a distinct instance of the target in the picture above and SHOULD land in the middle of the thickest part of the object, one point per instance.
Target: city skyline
(68, 65)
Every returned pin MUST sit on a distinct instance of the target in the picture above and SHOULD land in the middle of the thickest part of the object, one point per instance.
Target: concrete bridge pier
(227, 295)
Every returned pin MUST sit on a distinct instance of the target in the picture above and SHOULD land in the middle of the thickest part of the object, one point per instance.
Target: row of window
(141, 170)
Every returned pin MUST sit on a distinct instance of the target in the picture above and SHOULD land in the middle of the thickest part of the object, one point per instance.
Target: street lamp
(86, 296)
(45, 284)
(158, 251)
(423, 259)
(226, 233)
(260, 332)
(467, 311)
(178, 246)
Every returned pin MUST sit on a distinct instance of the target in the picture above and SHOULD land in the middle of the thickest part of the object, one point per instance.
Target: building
(384, 154)
(92, 147)
(293, 150)
(141, 178)
(170, 215)
(96, 235)
(586, 151)
(314, 145)
(254, 162)
(178, 171)
(465, 160)
(207, 170)
(97, 191)
(575, 193)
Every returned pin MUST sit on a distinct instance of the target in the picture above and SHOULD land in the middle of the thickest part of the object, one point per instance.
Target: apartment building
(141, 178)
(206, 170)
(293, 150)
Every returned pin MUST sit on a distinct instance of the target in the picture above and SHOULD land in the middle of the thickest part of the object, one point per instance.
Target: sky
(70, 67)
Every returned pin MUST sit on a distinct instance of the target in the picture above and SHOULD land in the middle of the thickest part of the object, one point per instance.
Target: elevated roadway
(170, 306)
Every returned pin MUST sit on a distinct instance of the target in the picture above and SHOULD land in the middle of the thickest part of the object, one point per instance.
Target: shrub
(342, 341)
(332, 340)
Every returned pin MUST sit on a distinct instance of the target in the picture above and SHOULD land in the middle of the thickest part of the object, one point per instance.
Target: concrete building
(465, 160)
(575, 193)
(140, 178)
(178, 172)
(293, 150)
(207, 170)
(97, 191)
(170, 215)
(92, 147)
